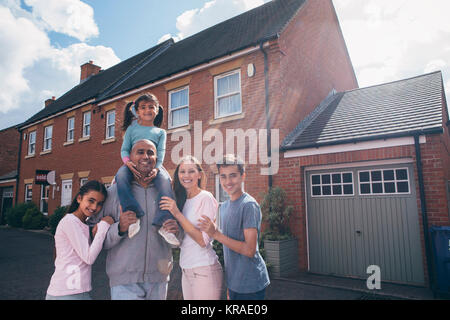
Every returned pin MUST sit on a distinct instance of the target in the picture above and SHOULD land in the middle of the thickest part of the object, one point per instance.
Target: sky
(44, 42)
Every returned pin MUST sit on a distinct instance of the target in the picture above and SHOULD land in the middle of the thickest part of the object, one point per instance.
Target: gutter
(18, 166)
(267, 109)
(424, 213)
(437, 130)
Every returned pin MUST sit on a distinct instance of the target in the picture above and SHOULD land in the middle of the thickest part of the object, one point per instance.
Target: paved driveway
(26, 266)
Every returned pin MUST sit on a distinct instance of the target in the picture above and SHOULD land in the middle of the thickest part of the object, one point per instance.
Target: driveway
(26, 266)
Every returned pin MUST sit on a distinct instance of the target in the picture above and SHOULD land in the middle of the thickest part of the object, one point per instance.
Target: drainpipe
(18, 167)
(266, 86)
(424, 212)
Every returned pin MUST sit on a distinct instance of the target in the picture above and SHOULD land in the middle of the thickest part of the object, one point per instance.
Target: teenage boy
(240, 223)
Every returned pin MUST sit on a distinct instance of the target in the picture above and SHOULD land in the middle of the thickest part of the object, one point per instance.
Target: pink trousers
(202, 283)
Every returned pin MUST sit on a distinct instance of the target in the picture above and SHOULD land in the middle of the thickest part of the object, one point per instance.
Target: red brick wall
(313, 60)
(9, 142)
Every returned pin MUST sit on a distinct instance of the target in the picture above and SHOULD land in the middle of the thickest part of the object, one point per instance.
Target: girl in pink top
(202, 273)
(74, 252)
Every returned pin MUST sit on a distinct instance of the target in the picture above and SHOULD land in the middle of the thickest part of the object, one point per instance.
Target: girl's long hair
(179, 190)
(129, 116)
(92, 185)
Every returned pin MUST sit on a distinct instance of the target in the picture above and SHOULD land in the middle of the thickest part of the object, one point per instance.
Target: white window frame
(109, 125)
(48, 139)
(83, 181)
(32, 143)
(170, 124)
(87, 125)
(26, 193)
(382, 181)
(216, 97)
(219, 186)
(44, 197)
(331, 184)
(70, 129)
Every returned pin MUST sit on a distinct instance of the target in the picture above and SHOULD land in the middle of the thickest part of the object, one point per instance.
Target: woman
(202, 273)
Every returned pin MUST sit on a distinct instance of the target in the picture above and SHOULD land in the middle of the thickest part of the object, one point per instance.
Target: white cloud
(32, 69)
(71, 17)
(394, 39)
(213, 12)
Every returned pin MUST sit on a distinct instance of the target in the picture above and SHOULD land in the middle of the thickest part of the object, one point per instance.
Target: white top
(75, 255)
(192, 255)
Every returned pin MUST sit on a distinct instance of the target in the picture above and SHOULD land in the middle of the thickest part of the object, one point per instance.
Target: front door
(66, 193)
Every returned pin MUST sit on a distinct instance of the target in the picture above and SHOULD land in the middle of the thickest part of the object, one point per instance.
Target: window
(110, 124)
(48, 131)
(70, 129)
(227, 94)
(86, 124)
(32, 143)
(221, 195)
(44, 199)
(179, 107)
(386, 181)
(83, 181)
(28, 192)
(332, 184)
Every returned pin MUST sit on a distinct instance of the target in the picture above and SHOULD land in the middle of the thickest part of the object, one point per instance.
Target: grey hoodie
(147, 257)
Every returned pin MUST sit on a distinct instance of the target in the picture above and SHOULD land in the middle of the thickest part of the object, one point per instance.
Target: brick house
(215, 79)
(9, 153)
(368, 172)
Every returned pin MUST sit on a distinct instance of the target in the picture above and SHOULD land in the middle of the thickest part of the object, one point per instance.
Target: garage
(363, 216)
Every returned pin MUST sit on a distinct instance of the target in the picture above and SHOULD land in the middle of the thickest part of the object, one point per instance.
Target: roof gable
(398, 108)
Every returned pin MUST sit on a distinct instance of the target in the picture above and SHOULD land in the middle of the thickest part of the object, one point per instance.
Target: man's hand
(208, 226)
(171, 226)
(126, 219)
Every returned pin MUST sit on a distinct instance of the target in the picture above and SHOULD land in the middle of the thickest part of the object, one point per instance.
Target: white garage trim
(360, 164)
(357, 146)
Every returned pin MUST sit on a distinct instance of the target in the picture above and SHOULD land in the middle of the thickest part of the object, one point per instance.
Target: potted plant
(281, 250)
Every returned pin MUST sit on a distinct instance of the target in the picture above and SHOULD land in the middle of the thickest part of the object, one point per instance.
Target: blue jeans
(247, 296)
(124, 177)
(140, 291)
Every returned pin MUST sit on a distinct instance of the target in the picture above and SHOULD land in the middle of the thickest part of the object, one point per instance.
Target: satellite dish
(51, 177)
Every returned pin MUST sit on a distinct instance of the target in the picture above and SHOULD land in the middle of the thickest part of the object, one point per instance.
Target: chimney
(49, 101)
(88, 69)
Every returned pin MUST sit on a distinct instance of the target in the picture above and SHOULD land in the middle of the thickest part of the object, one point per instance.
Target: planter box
(282, 256)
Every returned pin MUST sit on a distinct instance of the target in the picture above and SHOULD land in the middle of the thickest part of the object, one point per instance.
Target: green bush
(276, 214)
(15, 214)
(34, 219)
(57, 215)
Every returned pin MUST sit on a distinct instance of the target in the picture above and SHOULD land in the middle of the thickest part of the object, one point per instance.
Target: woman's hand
(169, 204)
(133, 169)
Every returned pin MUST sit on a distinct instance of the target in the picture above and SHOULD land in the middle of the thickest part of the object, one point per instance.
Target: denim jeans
(124, 177)
(78, 296)
(140, 291)
(247, 296)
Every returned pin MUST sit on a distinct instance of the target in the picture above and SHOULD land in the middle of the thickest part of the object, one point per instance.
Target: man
(138, 268)
(240, 223)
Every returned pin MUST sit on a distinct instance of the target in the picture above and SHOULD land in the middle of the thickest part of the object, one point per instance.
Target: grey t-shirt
(243, 274)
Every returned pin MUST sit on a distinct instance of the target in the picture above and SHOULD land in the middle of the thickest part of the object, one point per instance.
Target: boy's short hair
(232, 160)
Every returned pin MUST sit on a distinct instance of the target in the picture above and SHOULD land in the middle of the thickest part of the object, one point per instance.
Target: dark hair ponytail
(92, 185)
(159, 117)
(128, 116)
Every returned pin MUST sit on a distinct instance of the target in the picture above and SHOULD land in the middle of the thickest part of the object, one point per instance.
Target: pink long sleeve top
(75, 256)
